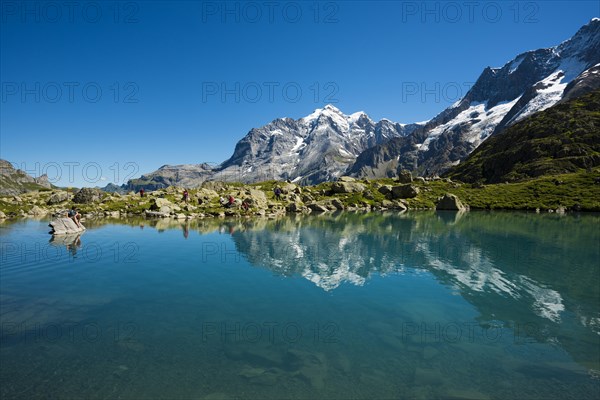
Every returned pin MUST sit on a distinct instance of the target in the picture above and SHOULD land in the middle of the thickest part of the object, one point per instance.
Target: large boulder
(295, 207)
(450, 202)
(256, 198)
(337, 203)
(385, 190)
(346, 179)
(318, 207)
(37, 211)
(290, 188)
(57, 197)
(404, 176)
(87, 195)
(347, 187)
(64, 226)
(407, 191)
(159, 203)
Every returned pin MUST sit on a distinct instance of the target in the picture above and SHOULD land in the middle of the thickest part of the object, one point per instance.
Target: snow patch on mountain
(478, 122)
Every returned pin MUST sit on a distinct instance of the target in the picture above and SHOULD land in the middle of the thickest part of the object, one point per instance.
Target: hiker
(185, 195)
(142, 192)
(277, 192)
(75, 216)
(230, 201)
(222, 201)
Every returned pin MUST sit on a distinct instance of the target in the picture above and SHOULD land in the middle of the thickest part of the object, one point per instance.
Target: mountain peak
(331, 107)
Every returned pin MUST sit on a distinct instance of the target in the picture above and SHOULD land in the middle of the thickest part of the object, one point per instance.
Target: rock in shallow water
(63, 226)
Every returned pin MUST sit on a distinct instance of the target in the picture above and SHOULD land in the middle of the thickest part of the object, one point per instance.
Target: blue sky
(94, 92)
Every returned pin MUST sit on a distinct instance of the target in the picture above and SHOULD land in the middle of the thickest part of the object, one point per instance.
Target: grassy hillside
(562, 139)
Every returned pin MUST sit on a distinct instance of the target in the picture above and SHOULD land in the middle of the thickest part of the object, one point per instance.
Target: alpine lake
(419, 305)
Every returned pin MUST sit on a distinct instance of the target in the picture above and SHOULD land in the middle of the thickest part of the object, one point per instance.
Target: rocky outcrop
(87, 195)
(407, 191)
(347, 187)
(14, 181)
(65, 226)
(57, 197)
(37, 211)
(404, 176)
(450, 202)
(159, 203)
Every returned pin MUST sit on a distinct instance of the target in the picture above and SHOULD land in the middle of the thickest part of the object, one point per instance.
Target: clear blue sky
(104, 84)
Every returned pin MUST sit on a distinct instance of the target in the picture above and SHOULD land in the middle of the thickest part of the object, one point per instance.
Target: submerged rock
(63, 226)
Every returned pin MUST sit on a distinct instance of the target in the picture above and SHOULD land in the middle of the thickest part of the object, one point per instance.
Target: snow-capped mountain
(531, 82)
(327, 143)
(309, 150)
(316, 148)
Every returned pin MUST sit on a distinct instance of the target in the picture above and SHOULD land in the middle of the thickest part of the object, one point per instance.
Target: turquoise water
(422, 305)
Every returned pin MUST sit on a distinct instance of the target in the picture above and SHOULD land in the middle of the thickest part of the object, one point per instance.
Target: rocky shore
(571, 192)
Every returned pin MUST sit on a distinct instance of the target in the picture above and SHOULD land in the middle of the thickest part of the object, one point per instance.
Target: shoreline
(567, 193)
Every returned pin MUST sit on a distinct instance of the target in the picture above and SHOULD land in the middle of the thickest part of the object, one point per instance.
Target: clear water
(422, 305)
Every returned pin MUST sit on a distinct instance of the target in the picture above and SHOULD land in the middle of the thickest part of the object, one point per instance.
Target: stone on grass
(450, 202)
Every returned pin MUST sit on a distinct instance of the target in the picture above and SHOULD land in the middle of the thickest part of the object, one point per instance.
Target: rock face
(64, 226)
(87, 195)
(450, 202)
(14, 181)
(313, 149)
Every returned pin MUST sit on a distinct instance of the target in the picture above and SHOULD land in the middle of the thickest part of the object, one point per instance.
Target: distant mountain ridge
(309, 150)
(14, 181)
(327, 143)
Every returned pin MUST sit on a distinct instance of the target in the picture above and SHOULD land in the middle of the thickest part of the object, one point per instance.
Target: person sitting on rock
(277, 192)
(222, 201)
(230, 201)
(75, 216)
(185, 195)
